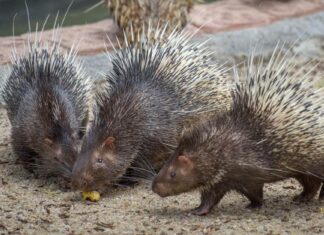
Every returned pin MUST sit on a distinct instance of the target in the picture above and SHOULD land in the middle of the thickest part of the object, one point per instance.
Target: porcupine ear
(185, 160)
(110, 142)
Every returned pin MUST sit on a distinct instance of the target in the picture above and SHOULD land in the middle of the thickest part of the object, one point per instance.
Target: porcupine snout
(160, 188)
(81, 179)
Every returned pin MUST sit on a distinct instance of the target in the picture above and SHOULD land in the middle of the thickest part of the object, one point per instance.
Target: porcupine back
(285, 111)
(200, 84)
(44, 65)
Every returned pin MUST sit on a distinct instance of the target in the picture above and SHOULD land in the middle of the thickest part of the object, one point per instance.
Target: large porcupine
(131, 15)
(274, 130)
(46, 98)
(152, 91)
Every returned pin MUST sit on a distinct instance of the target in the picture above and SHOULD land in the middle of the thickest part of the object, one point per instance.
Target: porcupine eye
(99, 160)
(172, 174)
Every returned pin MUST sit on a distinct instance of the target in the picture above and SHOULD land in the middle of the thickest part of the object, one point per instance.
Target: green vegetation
(40, 9)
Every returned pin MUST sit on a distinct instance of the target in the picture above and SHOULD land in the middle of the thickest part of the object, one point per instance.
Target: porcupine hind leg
(321, 196)
(209, 198)
(311, 186)
(254, 192)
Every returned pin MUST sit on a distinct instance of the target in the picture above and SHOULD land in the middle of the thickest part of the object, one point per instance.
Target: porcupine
(131, 15)
(46, 98)
(273, 131)
(154, 88)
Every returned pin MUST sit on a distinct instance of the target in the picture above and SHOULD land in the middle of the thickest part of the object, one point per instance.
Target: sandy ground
(38, 206)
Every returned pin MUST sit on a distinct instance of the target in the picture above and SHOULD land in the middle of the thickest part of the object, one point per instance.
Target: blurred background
(40, 9)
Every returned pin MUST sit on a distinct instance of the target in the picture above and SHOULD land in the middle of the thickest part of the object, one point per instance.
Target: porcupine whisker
(140, 178)
(142, 171)
(139, 169)
(138, 173)
(145, 174)
(147, 164)
(136, 178)
(120, 185)
(59, 169)
(135, 174)
(55, 165)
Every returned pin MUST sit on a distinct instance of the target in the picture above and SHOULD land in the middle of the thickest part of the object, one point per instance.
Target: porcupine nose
(75, 180)
(78, 183)
(78, 180)
(160, 189)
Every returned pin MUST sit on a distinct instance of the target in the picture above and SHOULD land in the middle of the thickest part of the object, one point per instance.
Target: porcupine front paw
(208, 200)
(202, 210)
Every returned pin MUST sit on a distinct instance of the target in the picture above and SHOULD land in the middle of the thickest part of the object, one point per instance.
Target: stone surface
(264, 39)
(223, 15)
(236, 14)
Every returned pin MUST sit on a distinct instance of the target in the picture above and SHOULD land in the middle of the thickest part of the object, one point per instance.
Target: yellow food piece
(93, 196)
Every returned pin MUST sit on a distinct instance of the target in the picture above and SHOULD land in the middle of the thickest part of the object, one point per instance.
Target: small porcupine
(46, 98)
(131, 15)
(273, 131)
(152, 91)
